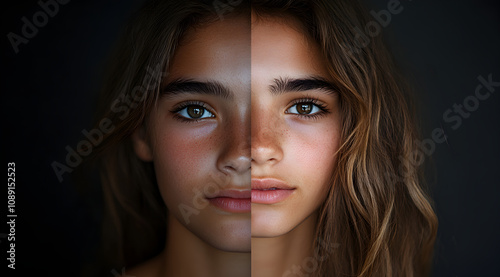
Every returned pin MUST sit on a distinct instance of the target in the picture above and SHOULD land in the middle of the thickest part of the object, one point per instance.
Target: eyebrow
(284, 84)
(192, 86)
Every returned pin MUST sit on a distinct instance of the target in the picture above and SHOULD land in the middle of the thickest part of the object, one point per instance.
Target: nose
(235, 157)
(265, 138)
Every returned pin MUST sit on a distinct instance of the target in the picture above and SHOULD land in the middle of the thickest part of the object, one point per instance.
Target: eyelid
(184, 104)
(312, 100)
(179, 107)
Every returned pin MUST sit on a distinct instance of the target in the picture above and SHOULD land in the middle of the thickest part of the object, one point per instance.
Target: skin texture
(299, 151)
(192, 159)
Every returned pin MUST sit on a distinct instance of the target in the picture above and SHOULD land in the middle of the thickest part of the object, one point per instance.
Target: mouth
(233, 201)
(270, 191)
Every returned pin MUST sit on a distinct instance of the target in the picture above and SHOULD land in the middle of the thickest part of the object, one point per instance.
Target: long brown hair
(377, 219)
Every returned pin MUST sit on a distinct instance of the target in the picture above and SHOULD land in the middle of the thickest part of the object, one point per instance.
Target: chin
(268, 231)
(231, 243)
(240, 246)
(228, 236)
(265, 225)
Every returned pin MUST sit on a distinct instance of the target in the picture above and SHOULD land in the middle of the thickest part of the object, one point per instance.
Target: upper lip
(269, 183)
(232, 193)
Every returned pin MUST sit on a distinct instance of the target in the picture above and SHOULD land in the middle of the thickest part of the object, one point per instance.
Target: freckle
(286, 133)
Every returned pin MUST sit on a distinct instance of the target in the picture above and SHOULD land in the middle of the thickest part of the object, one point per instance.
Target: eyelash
(309, 100)
(314, 101)
(175, 111)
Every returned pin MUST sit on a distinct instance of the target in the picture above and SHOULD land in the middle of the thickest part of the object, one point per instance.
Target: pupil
(195, 111)
(304, 108)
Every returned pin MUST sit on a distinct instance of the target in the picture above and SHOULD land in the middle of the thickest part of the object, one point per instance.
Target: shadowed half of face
(198, 137)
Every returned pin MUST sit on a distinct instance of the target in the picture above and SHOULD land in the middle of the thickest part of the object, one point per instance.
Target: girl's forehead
(233, 51)
(279, 48)
(214, 49)
(236, 26)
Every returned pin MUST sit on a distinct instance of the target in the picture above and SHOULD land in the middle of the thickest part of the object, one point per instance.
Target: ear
(142, 147)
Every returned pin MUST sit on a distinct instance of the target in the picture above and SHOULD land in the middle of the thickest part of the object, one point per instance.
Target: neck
(285, 255)
(187, 255)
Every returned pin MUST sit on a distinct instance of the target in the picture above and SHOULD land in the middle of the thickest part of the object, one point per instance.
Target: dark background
(48, 97)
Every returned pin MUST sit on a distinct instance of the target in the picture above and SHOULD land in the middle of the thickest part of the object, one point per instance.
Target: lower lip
(233, 205)
(270, 196)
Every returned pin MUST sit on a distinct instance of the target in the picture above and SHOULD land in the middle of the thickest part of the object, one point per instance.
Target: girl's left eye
(304, 108)
(194, 112)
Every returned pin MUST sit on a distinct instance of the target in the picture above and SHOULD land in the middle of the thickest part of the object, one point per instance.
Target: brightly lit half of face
(294, 127)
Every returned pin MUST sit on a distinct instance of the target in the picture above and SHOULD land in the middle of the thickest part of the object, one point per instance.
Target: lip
(270, 191)
(233, 201)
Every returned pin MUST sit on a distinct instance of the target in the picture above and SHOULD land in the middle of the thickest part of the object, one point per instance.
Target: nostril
(239, 165)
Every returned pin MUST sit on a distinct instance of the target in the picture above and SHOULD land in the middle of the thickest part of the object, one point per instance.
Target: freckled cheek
(184, 158)
(313, 151)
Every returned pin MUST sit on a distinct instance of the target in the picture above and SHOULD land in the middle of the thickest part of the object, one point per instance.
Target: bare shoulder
(149, 268)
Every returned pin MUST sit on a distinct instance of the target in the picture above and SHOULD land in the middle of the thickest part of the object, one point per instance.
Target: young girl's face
(295, 127)
(199, 136)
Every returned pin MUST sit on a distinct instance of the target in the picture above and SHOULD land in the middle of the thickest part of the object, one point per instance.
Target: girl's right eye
(304, 108)
(195, 112)
(192, 112)
(308, 108)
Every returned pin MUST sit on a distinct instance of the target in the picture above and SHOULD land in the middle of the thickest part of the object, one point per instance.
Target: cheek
(183, 159)
(313, 150)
